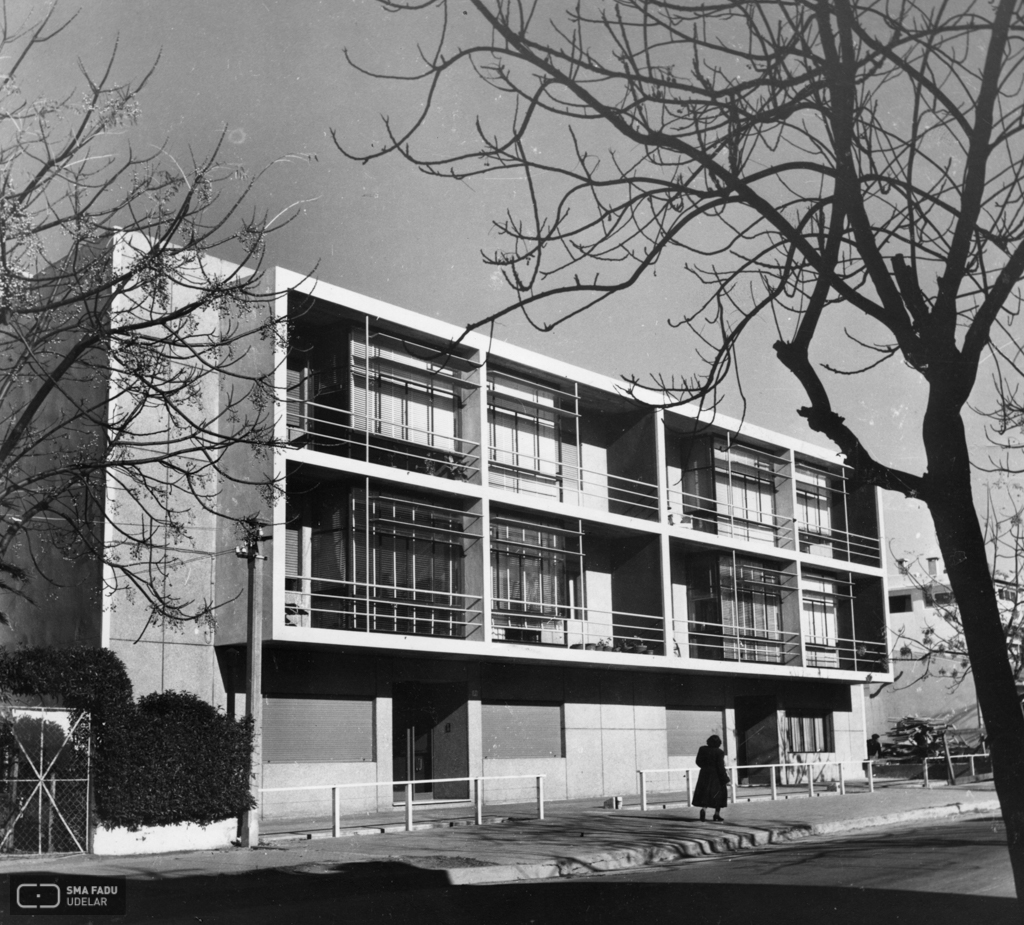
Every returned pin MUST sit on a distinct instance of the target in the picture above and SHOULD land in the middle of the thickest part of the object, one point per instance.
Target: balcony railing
(846, 654)
(320, 603)
(839, 544)
(573, 627)
(573, 484)
(708, 515)
(739, 644)
(389, 443)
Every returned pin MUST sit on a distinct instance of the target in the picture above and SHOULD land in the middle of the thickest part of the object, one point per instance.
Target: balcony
(735, 644)
(817, 539)
(576, 628)
(729, 489)
(571, 446)
(846, 654)
(366, 394)
(384, 442)
(319, 603)
(831, 521)
(722, 518)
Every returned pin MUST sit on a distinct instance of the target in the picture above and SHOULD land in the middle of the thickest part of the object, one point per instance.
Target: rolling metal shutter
(310, 729)
(688, 728)
(522, 730)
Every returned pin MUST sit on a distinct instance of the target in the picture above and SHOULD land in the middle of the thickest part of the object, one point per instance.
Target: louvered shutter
(310, 729)
(296, 412)
(328, 536)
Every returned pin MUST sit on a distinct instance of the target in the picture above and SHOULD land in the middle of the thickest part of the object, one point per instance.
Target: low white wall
(159, 839)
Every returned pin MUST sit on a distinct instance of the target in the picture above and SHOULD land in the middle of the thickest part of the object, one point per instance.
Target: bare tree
(123, 383)
(830, 166)
(939, 647)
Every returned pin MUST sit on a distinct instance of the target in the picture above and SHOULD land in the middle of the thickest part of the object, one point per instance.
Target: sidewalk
(571, 840)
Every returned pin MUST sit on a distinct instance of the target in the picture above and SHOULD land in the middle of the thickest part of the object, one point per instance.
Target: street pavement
(572, 840)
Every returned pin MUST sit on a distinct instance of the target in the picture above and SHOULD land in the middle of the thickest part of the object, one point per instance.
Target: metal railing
(324, 603)
(738, 644)
(838, 544)
(953, 759)
(478, 794)
(847, 654)
(774, 773)
(573, 484)
(572, 627)
(711, 515)
(375, 439)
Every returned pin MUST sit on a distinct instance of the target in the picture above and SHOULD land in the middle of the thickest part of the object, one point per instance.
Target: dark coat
(712, 783)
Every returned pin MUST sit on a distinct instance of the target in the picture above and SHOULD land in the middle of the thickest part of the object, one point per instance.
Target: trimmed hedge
(167, 759)
(188, 762)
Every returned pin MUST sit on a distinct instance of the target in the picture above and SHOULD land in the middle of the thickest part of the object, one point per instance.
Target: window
(821, 600)
(533, 568)
(816, 514)
(535, 573)
(751, 609)
(316, 729)
(900, 603)
(1007, 594)
(398, 394)
(416, 555)
(745, 491)
(809, 731)
(820, 610)
(942, 598)
(531, 448)
(522, 730)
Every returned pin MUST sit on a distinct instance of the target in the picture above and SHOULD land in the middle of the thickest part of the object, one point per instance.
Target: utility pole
(250, 551)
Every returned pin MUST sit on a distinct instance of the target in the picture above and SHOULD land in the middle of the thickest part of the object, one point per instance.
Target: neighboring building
(488, 562)
(925, 685)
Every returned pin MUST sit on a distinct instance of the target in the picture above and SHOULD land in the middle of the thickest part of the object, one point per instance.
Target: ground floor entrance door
(757, 736)
(430, 736)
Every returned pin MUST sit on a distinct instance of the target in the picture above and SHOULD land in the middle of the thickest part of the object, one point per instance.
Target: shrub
(188, 762)
(167, 759)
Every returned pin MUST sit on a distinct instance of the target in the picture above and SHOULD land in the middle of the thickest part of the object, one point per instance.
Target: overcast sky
(272, 73)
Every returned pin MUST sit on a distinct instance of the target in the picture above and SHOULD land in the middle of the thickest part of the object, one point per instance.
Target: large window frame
(535, 579)
(532, 438)
(397, 395)
(810, 732)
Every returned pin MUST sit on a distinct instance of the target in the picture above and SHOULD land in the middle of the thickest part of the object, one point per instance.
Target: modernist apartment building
(487, 562)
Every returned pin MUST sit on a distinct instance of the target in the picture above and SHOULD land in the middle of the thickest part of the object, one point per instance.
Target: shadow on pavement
(393, 892)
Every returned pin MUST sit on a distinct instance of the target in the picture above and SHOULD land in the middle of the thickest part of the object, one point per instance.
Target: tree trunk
(951, 503)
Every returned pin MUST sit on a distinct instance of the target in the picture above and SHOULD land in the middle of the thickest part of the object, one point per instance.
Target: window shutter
(688, 728)
(522, 730)
(310, 729)
(328, 536)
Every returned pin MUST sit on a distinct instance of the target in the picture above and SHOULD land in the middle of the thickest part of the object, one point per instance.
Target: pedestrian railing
(774, 772)
(478, 794)
(804, 775)
(954, 760)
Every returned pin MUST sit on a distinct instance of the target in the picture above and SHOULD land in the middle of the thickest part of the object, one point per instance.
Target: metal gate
(45, 756)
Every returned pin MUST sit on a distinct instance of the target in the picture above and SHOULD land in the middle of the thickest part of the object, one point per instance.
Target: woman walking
(712, 782)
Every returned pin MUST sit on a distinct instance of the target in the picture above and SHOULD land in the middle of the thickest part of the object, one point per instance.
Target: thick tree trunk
(961, 540)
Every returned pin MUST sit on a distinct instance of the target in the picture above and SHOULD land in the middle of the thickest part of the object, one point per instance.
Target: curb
(727, 843)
